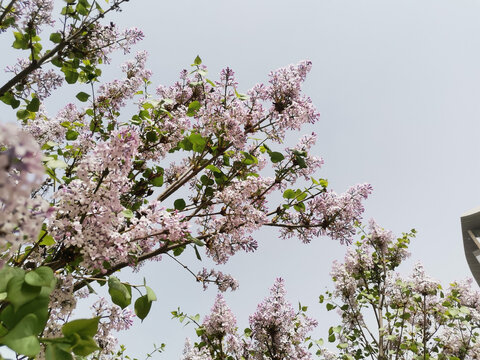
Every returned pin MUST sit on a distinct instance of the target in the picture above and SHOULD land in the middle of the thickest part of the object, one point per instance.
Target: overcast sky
(397, 84)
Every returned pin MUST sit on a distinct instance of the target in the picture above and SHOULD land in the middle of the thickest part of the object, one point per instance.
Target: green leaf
(289, 194)
(21, 41)
(152, 136)
(301, 196)
(23, 114)
(71, 77)
(186, 144)
(84, 346)
(157, 180)
(119, 293)
(198, 142)
(38, 307)
(3, 332)
(213, 168)
(193, 107)
(58, 351)
(56, 38)
(276, 157)
(127, 213)
(179, 250)
(7, 98)
(56, 163)
(330, 306)
(6, 273)
(22, 338)
(47, 240)
(34, 105)
(196, 241)
(82, 96)
(150, 294)
(205, 180)
(197, 61)
(249, 158)
(41, 276)
(241, 96)
(71, 135)
(209, 191)
(179, 204)
(197, 253)
(82, 10)
(300, 160)
(19, 292)
(82, 327)
(300, 207)
(142, 307)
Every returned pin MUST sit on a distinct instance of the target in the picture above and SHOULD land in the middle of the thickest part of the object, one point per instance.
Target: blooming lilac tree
(384, 315)
(193, 167)
(93, 190)
(276, 331)
(389, 316)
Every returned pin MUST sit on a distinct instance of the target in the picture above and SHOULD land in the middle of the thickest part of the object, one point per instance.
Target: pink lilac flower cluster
(328, 214)
(21, 172)
(193, 353)
(102, 40)
(112, 96)
(40, 82)
(359, 260)
(90, 215)
(224, 114)
(35, 14)
(62, 304)
(42, 128)
(221, 321)
(240, 216)
(223, 281)
(89, 212)
(277, 331)
(290, 108)
(312, 163)
(113, 319)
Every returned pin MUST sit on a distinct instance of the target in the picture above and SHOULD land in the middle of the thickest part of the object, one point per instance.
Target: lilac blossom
(22, 171)
(221, 321)
(290, 109)
(328, 214)
(112, 96)
(40, 82)
(241, 216)
(114, 319)
(90, 215)
(277, 331)
(193, 353)
(223, 281)
(104, 39)
(35, 13)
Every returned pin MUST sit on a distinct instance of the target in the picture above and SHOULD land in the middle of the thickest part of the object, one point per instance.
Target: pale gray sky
(398, 87)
